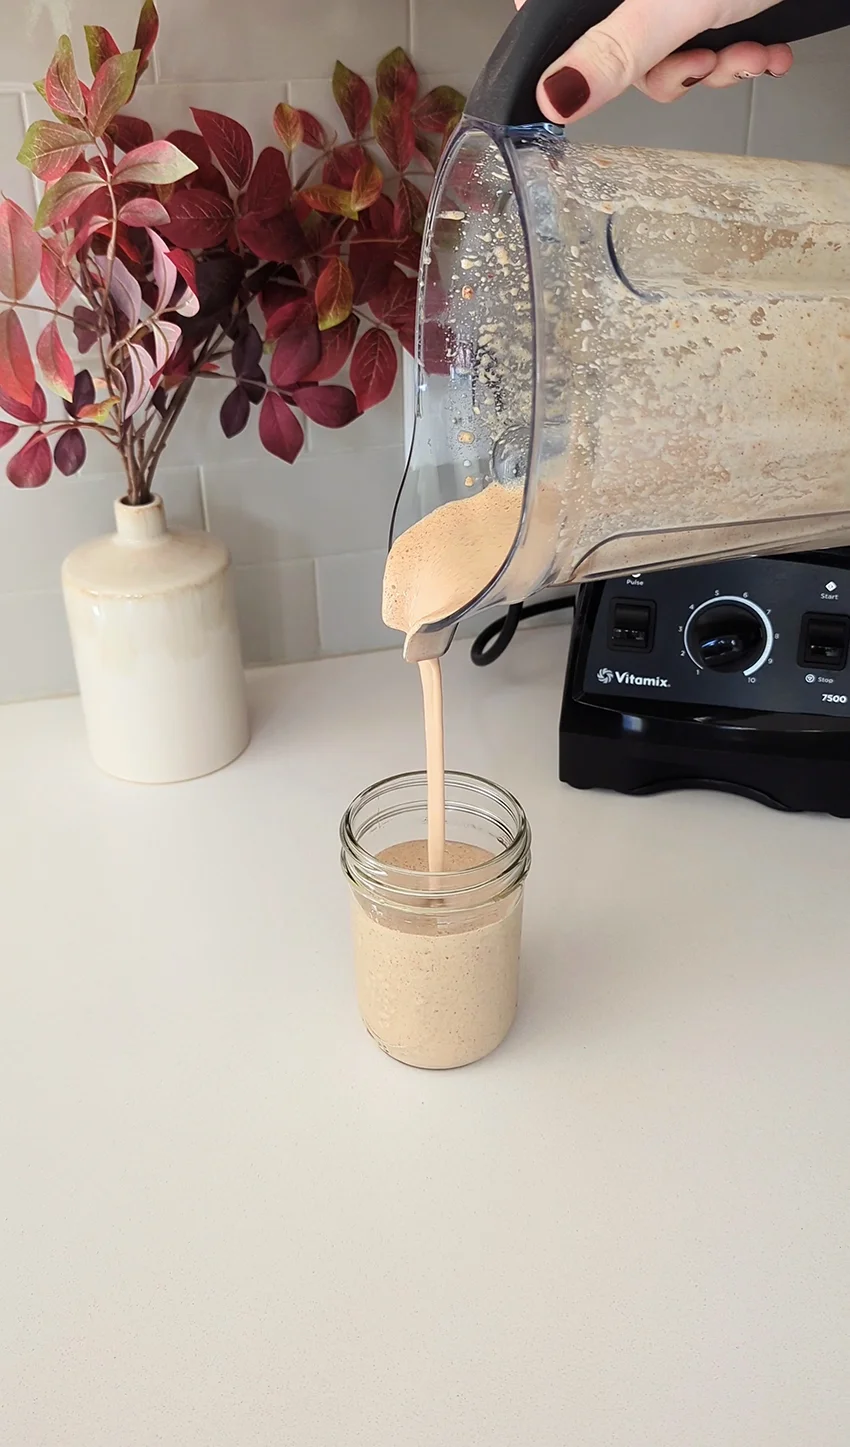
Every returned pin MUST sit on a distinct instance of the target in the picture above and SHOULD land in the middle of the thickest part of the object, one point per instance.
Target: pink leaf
(229, 142)
(54, 278)
(277, 238)
(185, 265)
(90, 228)
(373, 368)
(8, 431)
(328, 406)
(66, 196)
(195, 147)
(32, 466)
(140, 384)
(17, 377)
(299, 347)
(199, 218)
(124, 290)
(56, 366)
(20, 251)
(270, 186)
(280, 431)
(187, 305)
(62, 89)
(336, 349)
(167, 337)
(69, 454)
(157, 164)
(36, 412)
(112, 88)
(164, 271)
(144, 211)
(50, 149)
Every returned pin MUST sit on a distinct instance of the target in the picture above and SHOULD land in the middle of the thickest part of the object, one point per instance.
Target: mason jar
(436, 955)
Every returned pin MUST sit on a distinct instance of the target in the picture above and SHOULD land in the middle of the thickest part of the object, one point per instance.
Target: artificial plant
(185, 257)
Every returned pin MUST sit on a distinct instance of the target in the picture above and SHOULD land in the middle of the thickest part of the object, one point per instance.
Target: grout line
(204, 509)
(750, 119)
(155, 67)
(411, 28)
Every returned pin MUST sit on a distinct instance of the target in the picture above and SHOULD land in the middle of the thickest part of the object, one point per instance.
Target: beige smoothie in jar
(436, 954)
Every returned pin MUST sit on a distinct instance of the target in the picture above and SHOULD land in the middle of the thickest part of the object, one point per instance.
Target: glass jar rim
(458, 888)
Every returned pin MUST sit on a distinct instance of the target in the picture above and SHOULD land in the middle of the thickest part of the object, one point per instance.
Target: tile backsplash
(307, 541)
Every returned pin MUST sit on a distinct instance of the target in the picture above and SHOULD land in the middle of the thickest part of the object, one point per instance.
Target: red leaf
(410, 252)
(353, 97)
(315, 135)
(394, 133)
(336, 349)
(101, 46)
(327, 406)
(342, 165)
(32, 466)
(396, 304)
(330, 200)
(36, 412)
(195, 147)
(270, 186)
(439, 109)
(280, 431)
(373, 368)
(289, 127)
(235, 411)
(186, 266)
(56, 366)
(334, 294)
(278, 238)
(409, 209)
(275, 293)
(146, 32)
(229, 142)
(54, 278)
(396, 78)
(69, 454)
(371, 266)
(298, 350)
(144, 211)
(366, 186)
(295, 311)
(20, 251)
(130, 132)
(8, 431)
(198, 218)
(17, 377)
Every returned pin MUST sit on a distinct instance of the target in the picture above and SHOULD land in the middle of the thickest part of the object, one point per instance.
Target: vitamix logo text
(633, 680)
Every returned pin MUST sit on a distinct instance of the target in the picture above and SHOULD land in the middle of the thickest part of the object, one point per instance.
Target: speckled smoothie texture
(438, 989)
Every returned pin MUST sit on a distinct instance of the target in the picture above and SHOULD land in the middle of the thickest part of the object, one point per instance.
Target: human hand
(636, 45)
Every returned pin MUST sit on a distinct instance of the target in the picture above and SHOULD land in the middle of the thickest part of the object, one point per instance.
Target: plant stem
(178, 402)
(28, 306)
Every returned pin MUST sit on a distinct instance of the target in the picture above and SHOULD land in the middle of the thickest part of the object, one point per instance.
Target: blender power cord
(494, 639)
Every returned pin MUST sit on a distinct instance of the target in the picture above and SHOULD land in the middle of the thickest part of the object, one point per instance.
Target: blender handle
(505, 92)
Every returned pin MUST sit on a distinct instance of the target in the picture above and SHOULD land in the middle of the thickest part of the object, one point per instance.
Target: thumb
(618, 53)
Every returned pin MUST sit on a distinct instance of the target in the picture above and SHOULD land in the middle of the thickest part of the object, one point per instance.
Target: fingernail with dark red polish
(692, 80)
(567, 90)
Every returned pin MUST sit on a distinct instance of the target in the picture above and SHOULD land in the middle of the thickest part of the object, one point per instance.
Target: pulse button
(631, 625)
(824, 641)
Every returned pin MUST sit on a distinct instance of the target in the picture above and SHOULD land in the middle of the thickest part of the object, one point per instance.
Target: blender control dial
(729, 635)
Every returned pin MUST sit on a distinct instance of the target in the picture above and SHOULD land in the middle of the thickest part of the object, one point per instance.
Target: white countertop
(227, 1220)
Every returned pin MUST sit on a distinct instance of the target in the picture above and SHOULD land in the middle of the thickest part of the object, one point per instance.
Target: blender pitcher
(649, 349)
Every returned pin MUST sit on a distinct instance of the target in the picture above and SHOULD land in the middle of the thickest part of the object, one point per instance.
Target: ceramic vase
(156, 646)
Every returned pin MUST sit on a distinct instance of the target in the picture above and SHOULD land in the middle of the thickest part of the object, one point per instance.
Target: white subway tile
(270, 512)
(381, 426)
(15, 179)
(35, 649)
(40, 526)
(270, 41)
(704, 120)
(168, 106)
(457, 35)
(30, 34)
(805, 115)
(277, 612)
(349, 590)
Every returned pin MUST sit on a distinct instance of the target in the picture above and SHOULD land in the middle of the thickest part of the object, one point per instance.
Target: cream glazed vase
(156, 645)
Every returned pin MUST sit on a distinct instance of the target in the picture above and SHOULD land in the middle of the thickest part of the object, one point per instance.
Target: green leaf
(101, 46)
(62, 198)
(334, 294)
(62, 88)
(353, 97)
(112, 89)
(50, 149)
(159, 163)
(331, 201)
(396, 78)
